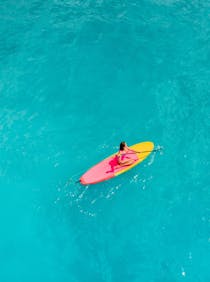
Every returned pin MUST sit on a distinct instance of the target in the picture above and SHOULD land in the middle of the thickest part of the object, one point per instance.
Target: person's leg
(128, 162)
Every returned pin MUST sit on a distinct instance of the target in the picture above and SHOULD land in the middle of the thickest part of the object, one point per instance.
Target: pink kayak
(110, 168)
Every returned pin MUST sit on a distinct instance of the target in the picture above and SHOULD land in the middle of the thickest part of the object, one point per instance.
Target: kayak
(109, 167)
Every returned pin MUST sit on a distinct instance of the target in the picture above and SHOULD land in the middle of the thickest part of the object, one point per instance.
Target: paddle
(155, 150)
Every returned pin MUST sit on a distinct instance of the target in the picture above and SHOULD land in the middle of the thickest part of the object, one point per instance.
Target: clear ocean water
(76, 78)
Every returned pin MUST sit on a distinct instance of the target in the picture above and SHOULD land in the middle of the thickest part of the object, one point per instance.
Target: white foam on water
(113, 191)
(152, 159)
(141, 182)
(183, 272)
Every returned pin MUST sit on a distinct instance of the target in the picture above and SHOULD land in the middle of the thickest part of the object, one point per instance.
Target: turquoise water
(77, 78)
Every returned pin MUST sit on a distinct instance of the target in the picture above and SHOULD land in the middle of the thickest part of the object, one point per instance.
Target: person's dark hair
(122, 145)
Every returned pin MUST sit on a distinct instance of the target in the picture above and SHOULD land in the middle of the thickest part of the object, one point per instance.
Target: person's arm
(119, 158)
(131, 150)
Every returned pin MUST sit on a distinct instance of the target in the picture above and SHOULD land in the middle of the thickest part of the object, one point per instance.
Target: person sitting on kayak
(121, 155)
